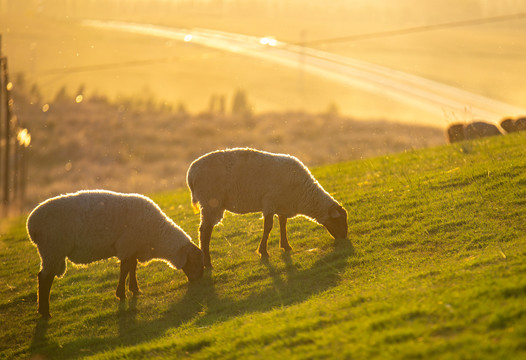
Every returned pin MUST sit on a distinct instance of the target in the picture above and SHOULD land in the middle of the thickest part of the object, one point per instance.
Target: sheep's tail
(189, 181)
(195, 202)
(195, 205)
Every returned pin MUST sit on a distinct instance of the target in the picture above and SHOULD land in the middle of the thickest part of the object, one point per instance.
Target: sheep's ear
(181, 256)
(334, 212)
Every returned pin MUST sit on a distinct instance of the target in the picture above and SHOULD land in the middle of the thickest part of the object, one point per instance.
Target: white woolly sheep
(247, 180)
(513, 125)
(508, 124)
(480, 129)
(474, 130)
(88, 226)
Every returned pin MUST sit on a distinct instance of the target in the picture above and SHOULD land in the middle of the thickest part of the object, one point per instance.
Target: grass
(435, 269)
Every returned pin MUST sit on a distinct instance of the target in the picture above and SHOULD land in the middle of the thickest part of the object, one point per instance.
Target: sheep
(474, 130)
(93, 225)
(479, 129)
(244, 180)
(513, 125)
(455, 132)
(520, 124)
(508, 125)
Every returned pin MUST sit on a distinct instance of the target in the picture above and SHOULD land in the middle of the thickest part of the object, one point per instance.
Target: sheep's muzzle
(194, 266)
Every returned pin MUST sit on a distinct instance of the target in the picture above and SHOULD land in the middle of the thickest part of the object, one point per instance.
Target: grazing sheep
(88, 226)
(508, 125)
(480, 129)
(513, 125)
(474, 130)
(520, 124)
(247, 180)
(455, 132)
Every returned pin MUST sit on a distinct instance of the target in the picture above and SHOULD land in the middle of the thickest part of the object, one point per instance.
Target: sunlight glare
(24, 138)
(188, 38)
(268, 40)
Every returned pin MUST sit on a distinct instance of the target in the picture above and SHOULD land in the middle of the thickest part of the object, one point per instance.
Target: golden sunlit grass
(435, 270)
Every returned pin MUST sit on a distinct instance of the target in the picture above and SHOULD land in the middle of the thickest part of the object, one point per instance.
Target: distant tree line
(145, 100)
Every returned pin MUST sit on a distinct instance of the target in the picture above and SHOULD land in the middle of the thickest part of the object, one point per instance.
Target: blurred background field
(124, 147)
(46, 39)
(149, 106)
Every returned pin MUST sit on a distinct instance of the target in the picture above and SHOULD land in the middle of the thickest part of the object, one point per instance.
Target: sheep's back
(480, 129)
(246, 180)
(90, 226)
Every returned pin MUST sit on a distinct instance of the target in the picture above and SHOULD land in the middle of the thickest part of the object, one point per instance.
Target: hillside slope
(434, 269)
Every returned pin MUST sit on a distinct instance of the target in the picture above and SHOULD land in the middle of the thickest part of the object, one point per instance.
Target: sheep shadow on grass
(201, 304)
(289, 285)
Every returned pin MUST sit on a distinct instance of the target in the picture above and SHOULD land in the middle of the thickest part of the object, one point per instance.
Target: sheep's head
(194, 262)
(336, 222)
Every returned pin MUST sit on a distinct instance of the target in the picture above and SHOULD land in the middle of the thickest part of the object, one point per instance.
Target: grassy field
(434, 269)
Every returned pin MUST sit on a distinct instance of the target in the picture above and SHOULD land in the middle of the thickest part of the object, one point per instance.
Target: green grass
(435, 270)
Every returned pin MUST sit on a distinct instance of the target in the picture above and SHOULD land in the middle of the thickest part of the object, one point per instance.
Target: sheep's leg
(283, 241)
(121, 288)
(134, 286)
(267, 226)
(205, 233)
(44, 288)
(210, 216)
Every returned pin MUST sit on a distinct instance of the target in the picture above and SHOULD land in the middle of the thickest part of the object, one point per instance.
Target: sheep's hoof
(121, 295)
(135, 290)
(263, 254)
(45, 314)
(286, 248)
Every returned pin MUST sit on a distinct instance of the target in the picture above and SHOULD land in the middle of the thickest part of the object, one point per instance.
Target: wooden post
(16, 168)
(23, 140)
(23, 177)
(7, 133)
(2, 87)
(4, 123)
(12, 171)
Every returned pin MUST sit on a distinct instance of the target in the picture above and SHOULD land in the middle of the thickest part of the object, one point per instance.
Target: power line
(99, 67)
(416, 29)
(123, 64)
(350, 38)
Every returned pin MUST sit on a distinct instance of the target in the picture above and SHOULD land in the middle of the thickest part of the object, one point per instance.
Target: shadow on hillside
(201, 302)
(39, 336)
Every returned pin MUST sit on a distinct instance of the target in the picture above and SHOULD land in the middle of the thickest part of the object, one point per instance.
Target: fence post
(4, 122)
(24, 140)
(1, 118)
(7, 133)
(13, 168)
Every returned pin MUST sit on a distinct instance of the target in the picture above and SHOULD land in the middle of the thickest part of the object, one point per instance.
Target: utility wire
(350, 38)
(76, 69)
(416, 29)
